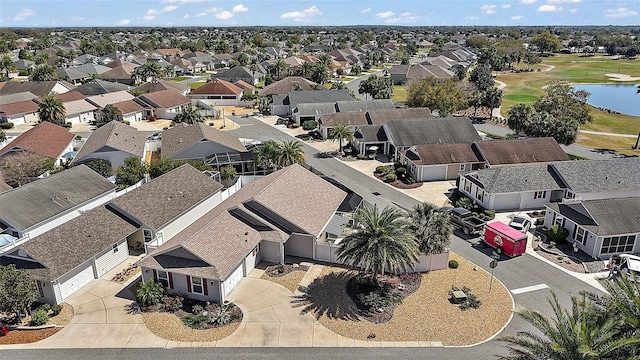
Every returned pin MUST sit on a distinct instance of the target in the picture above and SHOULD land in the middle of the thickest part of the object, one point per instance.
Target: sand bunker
(622, 77)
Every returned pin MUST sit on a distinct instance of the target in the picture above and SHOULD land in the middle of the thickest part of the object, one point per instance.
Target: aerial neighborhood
(338, 186)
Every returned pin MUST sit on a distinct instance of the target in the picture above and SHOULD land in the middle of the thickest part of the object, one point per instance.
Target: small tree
(3, 136)
(149, 293)
(189, 115)
(227, 175)
(131, 172)
(341, 131)
(161, 166)
(17, 290)
(557, 233)
(110, 113)
(51, 109)
(24, 167)
(101, 166)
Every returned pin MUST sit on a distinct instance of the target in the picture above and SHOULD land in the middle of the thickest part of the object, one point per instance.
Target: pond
(617, 97)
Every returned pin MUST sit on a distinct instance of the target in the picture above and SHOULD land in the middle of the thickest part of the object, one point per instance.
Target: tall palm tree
(265, 156)
(44, 72)
(579, 334)
(189, 115)
(432, 227)
(475, 100)
(290, 152)
(150, 69)
(341, 131)
(383, 239)
(493, 100)
(6, 65)
(279, 67)
(325, 60)
(320, 73)
(51, 109)
(306, 68)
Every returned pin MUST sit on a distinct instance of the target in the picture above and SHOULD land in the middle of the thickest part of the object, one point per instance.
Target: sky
(221, 13)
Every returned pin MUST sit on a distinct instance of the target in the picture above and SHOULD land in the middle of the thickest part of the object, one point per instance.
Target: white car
(521, 224)
(630, 266)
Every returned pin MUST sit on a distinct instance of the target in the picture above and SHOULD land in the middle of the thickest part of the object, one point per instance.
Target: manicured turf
(197, 84)
(620, 144)
(179, 78)
(399, 94)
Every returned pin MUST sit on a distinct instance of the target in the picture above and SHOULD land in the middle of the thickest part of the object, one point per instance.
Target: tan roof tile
(217, 87)
(45, 139)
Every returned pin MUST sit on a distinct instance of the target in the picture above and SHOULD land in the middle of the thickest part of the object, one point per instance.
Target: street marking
(529, 288)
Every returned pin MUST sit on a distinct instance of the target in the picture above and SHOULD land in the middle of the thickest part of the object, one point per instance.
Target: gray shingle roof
(379, 117)
(517, 178)
(370, 133)
(97, 87)
(363, 106)
(33, 203)
(600, 175)
(452, 130)
(308, 109)
(115, 135)
(318, 96)
(604, 217)
(182, 136)
(437, 154)
(163, 199)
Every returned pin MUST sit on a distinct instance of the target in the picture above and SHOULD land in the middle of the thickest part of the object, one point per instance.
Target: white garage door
(77, 281)
(73, 119)
(233, 280)
(507, 202)
(434, 173)
(111, 258)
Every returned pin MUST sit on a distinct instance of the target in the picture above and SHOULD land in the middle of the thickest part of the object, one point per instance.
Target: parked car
(626, 264)
(156, 136)
(465, 220)
(521, 224)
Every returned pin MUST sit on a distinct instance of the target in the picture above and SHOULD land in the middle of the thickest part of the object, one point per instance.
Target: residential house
(115, 142)
(261, 221)
(159, 85)
(46, 139)
(39, 206)
(98, 87)
(79, 111)
(239, 73)
(217, 93)
(287, 104)
(247, 89)
(24, 65)
(74, 76)
(287, 85)
(438, 162)
(37, 88)
(12, 98)
(131, 110)
(519, 151)
(401, 74)
(599, 227)
(21, 112)
(102, 100)
(121, 72)
(184, 66)
(165, 104)
(92, 69)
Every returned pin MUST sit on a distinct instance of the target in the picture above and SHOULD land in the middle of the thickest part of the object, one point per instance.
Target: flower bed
(126, 274)
(279, 270)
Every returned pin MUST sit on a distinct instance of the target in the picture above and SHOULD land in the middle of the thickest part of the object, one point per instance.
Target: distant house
(165, 104)
(159, 85)
(98, 87)
(287, 85)
(21, 112)
(79, 111)
(121, 72)
(45, 139)
(115, 142)
(519, 151)
(217, 93)
(74, 76)
(239, 73)
(92, 69)
(198, 141)
(103, 100)
(131, 110)
(401, 74)
(284, 105)
(247, 89)
(437, 162)
(37, 88)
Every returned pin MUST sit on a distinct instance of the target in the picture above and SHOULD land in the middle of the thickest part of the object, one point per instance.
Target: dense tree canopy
(20, 168)
(546, 42)
(379, 87)
(443, 95)
(17, 290)
(563, 100)
(131, 172)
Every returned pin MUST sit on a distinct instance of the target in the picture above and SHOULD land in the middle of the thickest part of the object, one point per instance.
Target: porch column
(281, 252)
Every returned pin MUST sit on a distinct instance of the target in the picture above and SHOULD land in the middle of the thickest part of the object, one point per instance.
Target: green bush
(490, 213)
(45, 307)
(56, 309)
(127, 122)
(39, 318)
(410, 180)
(379, 169)
(78, 137)
(360, 156)
(453, 264)
(309, 125)
(295, 125)
(23, 73)
(197, 309)
(195, 321)
(222, 316)
(6, 125)
(149, 293)
(464, 202)
(535, 212)
(67, 125)
(390, 178)
(396, 164)
(557, 233)
(401, 171)
(173, 123)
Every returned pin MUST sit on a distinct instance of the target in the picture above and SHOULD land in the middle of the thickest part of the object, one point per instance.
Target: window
(39, 287)
(559, 221)
(196, 285)
(148, 235)
(618, 244)
(114, 248)
(480, 195)
(580, 235)
(163, 277)
(462, 167)
(570, 195)
(539, 194)
(467, 186)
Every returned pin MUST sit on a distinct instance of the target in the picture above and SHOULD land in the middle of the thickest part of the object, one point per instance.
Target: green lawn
(620, 144)
(399, 94)
(197, 84)
(179, 78)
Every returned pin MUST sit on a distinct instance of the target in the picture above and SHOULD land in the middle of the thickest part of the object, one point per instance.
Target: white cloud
(185, 17)
(23, 14)
(506, 6)
(124, 22)
(573, 11)
(302, 15)
(239, 8)
(488, 9)
(169, 8)
(548, 8)
(472, 17)
(152, 13)
(404, 17)
(564, 1)
(200, 14)
(212, 10)
(528, 2)
(365, 11)
(148, 18)
(517, 17)
(385, 15)
(620, 13)
(224, 15)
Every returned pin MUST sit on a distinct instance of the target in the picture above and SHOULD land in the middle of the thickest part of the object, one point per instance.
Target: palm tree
(189, 115)
(44, 72)
(306, 68)
(265, 156)
(150, 69)
(493, 100)
(320, 74)
(6, 65)
(579, 334)
(279, 67)
(341, 131)
(51, 109)
(382, 240)
(289, 152)
(432, 227)
(325, 59)
(475, 100)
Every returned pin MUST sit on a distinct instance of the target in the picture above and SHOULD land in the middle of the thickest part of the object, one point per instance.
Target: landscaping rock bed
(289, 280)
(397, 183)
(562, 254)
(278, 270)
(27, 336)
(126, 274)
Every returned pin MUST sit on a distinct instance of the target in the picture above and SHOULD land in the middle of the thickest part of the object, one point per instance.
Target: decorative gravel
(169, 326)
(64, 317)
(426, 315)
(290, 280)
(27, 336)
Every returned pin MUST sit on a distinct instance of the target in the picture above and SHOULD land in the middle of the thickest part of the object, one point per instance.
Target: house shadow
(482, 247)
(327, 295)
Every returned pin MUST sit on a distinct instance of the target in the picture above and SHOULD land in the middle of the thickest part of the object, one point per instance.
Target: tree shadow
(327, 296)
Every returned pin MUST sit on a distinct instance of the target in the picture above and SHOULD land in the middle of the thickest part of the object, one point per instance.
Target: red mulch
(26, 336)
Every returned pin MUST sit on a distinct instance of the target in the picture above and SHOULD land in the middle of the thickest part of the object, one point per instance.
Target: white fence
(154, 145)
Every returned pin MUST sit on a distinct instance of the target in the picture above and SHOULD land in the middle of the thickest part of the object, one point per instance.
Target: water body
(621, 98)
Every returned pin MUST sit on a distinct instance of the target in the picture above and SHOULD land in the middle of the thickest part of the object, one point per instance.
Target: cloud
(239, 8)
(472, 17)
(385, 15)
(365, 11)
(167, 9)
(302, 15)
(528, 2)
(23, 14)
(405, 17)
(620, 13)
(549, 8)
(564, 1)
(200, 14)
(488, 9)
(224, 15)
(506, 6)
(148, 18)
(517, 17)
(152, 13)
(185, 17)
(573, 11)
(124, 22)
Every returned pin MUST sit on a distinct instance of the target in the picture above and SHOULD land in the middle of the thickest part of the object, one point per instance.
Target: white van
(630, 266)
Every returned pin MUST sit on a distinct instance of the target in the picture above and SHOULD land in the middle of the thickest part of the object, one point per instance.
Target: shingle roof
(115, 135)
(370, 133)
(45, 139)
(78, 107)
(70, 96)
(37, 88)
(244, 85)
(69, 245)
(349, 118)
(236, 72)
(159, 85)
(97, 87)
(128, 107)
(103, 100)
(603, 217)
(321, 108)
(437, 154)
(600, 175)
(421, 71)
(12, 98)
(20, 107)
(512, 179)
(379, 117)
(365, 105)
(288, 85)
(318, 96)
(454, 130)
(217, 87)
(513, 151)
(93, 69)
(165, 99)
(182, 136)
(175, 193)
(71, 73)
(35, 202)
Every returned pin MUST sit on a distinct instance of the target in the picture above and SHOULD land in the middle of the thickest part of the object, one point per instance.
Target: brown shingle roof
(379, 117)
(159, 85)
(20, 107)
(438, 154)
(163, 199)
(350, 118)
(520, 151)
(165, 99)
(217, 87)
(115, 135)
(45, 139)
(287, 85)
(243, 84)
(128, 107)
(70, 96)
(182, 136)
(103, 100)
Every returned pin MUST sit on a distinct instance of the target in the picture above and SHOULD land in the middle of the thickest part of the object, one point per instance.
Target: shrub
(359, 156)
(56, 309)
(6, 125)
(196, 309)
(67, 125)
(379, 169)
(453, 264)
(39, 318)
(127, 122)
(78, 137)
(535, 212)
(410, 180)
(539, 221)
(557, 233)
(309, 125)
(222, 316)
(401, 171)
(396, 164)
(149, 293)
(45, 307)
(490, 213)
(280, 269)
(464, 202)
(194, 321)
(295, 125)
(172, 304)
(390, 178)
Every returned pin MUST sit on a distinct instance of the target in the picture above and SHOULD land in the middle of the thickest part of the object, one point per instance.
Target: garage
(233, 280)
(74, 119)
(76, 279)
(433, 173)
(251, 260)
(113, 256)
(506, 202)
